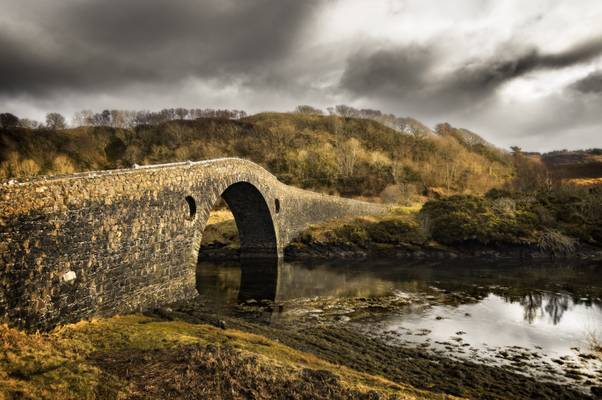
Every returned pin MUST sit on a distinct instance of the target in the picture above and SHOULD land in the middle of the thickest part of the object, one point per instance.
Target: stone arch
(256, 229)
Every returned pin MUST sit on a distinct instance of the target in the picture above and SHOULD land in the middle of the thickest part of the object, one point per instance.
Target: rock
(165, 313)
(69, 276)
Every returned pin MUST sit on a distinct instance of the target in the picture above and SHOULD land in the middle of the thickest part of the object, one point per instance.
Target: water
(532, 317)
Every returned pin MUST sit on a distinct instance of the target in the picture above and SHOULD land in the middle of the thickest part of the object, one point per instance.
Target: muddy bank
(299, 251)
(421, 369)
(432, 251)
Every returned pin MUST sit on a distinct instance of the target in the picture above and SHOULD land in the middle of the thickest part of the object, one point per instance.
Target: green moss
(92, 360)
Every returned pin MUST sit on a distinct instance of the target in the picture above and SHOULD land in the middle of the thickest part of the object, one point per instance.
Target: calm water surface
(535, 317)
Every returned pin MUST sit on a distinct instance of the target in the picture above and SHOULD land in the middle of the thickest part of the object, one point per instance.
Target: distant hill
(344, 155)
(578, 166)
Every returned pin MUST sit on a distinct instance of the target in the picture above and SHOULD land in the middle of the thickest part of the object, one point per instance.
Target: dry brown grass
(583, 181)
(221, 215)
(221, 230)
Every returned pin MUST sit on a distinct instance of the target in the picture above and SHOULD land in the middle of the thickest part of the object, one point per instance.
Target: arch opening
(253, 220)
(240, 225)
(191, 207)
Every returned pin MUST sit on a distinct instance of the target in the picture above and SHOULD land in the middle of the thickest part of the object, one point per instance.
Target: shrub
(454, 219)
(394, 231)
(555, 242)
(62, 165)
(352, 233)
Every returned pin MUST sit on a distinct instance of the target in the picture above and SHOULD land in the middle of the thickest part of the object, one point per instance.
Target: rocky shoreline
(340, 343)
(298, 251)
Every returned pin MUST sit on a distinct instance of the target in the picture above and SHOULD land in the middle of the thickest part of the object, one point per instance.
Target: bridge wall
(109, 242)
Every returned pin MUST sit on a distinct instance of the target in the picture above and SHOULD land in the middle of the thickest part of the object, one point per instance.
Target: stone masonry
(99, 243)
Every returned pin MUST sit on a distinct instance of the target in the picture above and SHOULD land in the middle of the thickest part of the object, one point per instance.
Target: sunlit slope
(349, 156)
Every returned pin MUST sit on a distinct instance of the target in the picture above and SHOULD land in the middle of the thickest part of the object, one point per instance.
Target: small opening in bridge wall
(191, 206)
(277, 205)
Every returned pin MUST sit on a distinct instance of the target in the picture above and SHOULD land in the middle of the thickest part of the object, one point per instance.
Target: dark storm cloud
(394, 71)
(492, 73)
(410, 73)
(590, 84)
(89, 45)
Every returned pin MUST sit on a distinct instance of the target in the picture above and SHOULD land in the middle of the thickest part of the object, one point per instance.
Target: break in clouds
(518, 74)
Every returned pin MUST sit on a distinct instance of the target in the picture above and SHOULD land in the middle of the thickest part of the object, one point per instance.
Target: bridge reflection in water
(237, 282)
(545, 292)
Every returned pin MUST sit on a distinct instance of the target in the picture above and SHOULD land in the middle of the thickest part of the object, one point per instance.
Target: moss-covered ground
(140, 356)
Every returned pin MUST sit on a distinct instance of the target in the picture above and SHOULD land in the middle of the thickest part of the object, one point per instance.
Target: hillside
(341, 155)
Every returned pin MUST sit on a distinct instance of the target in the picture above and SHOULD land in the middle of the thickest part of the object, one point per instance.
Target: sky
(526, 73)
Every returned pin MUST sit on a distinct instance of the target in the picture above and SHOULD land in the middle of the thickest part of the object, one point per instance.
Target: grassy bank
(141, 357)
(180, 354)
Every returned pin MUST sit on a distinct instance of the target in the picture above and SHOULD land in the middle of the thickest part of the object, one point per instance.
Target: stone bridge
(100, 243)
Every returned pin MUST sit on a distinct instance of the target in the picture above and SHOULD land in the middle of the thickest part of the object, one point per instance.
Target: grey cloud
(590, 84)
(391, 71)
(409, 73)
(492, 73)
(106, 44)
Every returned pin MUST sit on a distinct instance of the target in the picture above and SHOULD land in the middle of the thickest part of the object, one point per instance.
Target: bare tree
(308, 110)
(103, 118)
(531, 174)
(83, 118)
(8, 120)
(346, 111)
(348, 152)
(181, 113)
(55, 121)
(29, 123)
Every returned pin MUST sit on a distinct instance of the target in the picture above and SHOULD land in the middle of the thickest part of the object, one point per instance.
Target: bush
(394, 231)
(352, 233)
(455, 219)
(556, 242)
